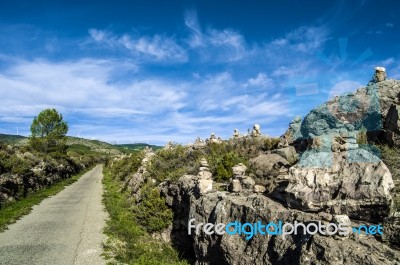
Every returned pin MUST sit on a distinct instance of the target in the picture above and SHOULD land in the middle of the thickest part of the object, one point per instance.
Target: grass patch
(128, 242)
(391, 157)
(13, 211)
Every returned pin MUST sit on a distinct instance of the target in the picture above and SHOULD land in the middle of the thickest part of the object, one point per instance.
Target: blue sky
(137, 71)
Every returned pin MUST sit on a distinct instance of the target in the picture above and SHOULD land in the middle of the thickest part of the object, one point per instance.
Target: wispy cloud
(164, 86)
(89, 93)
(224, 45)
(157, 47)
(85, 85)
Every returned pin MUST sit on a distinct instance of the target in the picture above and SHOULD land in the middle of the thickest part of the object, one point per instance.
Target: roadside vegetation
(131, 223)
(171, 164)
(138, 219)
(41, 167)
(13, 211)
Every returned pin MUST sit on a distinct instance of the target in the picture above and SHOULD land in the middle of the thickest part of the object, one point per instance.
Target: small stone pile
(169, 146)
(204, 182)
(199, 143)
(256, 132)
(236, 134)
(239, 180)
(214, 139)
(380, 74)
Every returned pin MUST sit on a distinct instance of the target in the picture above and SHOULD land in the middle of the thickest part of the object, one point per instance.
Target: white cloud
(99, 35)
(86, 91)
(85, 86)
(344, 87)
(388, 61)
(224, 45)
(260, 81)
(389, 25)
(296, 44)
(157, 47)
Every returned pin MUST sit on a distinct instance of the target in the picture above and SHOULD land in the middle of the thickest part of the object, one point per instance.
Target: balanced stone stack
(256, 132)
(236, 134)
(204, 178)
(239, 180)
(380, 74)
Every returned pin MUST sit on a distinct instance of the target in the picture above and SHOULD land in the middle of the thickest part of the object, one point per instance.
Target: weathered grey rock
(239, 170)
(199, 143)
(392, 119)
(292, 133)
(164, 236)
(391, 228)
(235, 186)
(248, 183)
(364, 108)
(204, 185)
(341, 219)
(289, 153)
(204, 175)
(267, 166)
(136, 180)
(258, 189)
(222, 207)
(355, 183)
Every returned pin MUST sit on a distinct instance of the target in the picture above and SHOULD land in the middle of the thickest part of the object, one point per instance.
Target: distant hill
(12, 139)
(94, 145)
(137, 147)
(80, 143)
(75, 143)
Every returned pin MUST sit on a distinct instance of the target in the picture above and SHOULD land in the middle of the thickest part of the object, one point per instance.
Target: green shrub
(171, 164)
(128, 242)
(152, 212)
(271, 143)
(221, 158)
(123, 168)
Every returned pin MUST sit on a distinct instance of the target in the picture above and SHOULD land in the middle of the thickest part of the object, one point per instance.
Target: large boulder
(267, 166)
(355, 183)
(289, 153)
(365, 108)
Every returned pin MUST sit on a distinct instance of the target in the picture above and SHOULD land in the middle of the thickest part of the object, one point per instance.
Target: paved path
(64, 229)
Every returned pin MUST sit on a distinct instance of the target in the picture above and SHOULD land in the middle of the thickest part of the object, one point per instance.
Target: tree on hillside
(48, 131)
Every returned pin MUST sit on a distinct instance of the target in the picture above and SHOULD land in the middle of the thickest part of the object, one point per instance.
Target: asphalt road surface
(63, 229)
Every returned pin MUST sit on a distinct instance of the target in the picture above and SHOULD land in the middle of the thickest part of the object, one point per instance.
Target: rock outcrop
(224, 207)
(355, 183)
(134, 182)
(367, 108)
(267, 167)
(320, 173)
